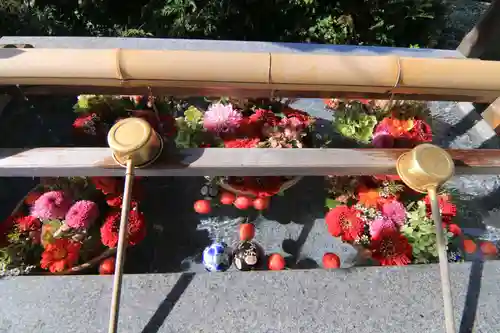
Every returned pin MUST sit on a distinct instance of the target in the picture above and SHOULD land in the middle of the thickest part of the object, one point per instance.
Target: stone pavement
(362, 300)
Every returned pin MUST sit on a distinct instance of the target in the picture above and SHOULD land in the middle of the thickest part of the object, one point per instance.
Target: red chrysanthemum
(300, 116)
(447, 208)
(390, 247)
(111, 226)
(421, 131)
(5, 228)
(241, 143)
(59, 255)
(265, 117)
(116, 201)
(108, 185)
(28, 223)
(345, 222)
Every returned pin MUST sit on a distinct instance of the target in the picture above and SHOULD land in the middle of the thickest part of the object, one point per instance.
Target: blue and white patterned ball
(217, 257)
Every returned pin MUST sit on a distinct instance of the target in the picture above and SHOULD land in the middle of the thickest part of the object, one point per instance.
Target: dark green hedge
(372, 22)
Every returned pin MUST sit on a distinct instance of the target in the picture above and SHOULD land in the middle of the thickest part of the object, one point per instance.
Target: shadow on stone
(168, 303)
(472, 297)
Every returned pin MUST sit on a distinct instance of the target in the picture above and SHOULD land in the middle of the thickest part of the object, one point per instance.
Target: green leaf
(193, 115)
(331, 203)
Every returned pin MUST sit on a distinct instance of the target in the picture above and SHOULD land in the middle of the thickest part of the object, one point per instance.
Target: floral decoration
(66, 222)
(380, 215)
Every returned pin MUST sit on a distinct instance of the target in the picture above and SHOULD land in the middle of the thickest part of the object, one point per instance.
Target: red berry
(227, 198)
(247, 231)
(276, 262)
(488, 248)
(202, 207)
(261, 203)
(107, 266)
(242, 202)
(331, 260)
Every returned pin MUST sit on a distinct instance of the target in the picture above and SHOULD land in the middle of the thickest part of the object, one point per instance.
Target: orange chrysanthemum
(60, 255)
(368, 197)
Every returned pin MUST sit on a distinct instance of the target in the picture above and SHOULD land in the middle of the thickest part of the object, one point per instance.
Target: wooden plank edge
(68, 162)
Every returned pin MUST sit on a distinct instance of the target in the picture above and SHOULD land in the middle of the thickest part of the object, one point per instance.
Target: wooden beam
(67, 162)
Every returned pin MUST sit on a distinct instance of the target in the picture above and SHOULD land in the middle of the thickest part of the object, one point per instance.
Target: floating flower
(368, 197)
(28, 223)
(51, 205)
(116, 201)
(221, 118)
(345, 221)
(421, 131)
(82, 214)
(390, 247)
(241, 143)
(108, 185)
(264, 117)
(447, 208)
(63, 253)
(454, 229)
(395, 211)
(111, 226)
(380, 224)
(298, 118)
(383, 139)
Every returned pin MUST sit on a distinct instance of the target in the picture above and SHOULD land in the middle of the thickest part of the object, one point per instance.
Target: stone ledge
(372, 299)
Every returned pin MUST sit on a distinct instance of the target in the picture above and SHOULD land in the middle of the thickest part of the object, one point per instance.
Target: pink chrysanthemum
(395, 211)
(51, 205)
(221, 118)
(380, 224)
(82, 214)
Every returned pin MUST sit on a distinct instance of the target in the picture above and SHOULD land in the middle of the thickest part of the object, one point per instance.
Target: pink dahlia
(221, 118)
(395, 211)
(51, 205)
(380, 224)
(82, 214)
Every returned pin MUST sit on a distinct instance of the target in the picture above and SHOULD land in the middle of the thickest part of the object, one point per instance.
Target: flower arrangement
(66, 225)
(383, 124)
(383, 218)
(233, 123)
(222, 123)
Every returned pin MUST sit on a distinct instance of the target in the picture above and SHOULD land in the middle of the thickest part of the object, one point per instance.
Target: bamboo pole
(264, 74)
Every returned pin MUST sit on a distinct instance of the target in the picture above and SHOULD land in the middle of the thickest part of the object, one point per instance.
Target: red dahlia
(447, 208)
(345, 222)
(390, 247)
(265, 116)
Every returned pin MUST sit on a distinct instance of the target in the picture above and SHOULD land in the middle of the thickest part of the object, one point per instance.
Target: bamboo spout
(253, 74)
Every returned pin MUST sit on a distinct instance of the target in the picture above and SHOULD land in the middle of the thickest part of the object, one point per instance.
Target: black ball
(247, 256)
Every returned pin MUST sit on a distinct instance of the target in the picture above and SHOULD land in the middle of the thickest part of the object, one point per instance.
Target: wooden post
(483, 42)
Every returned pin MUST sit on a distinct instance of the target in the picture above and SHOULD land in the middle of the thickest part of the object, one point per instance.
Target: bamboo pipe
(424, 169)
(134, 144)
(311, 75)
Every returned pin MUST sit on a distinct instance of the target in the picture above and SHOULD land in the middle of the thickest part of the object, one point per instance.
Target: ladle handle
(443, 262)
(122, 247)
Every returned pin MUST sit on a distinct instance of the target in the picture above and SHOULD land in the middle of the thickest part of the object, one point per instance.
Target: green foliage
(355, 125)
(421, 233)
(366, 22)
